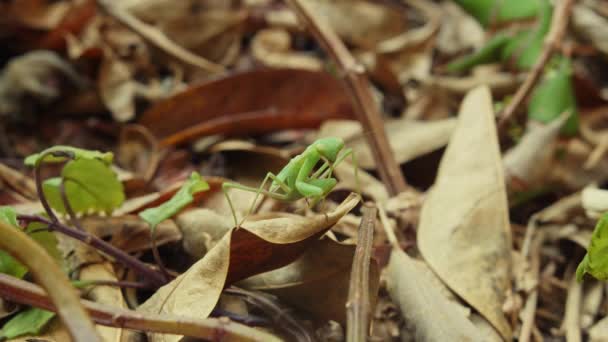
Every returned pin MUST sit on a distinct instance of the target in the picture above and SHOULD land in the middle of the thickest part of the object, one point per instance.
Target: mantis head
(329, 147)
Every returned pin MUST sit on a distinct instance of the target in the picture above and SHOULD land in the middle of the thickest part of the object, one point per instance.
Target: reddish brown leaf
(258, 101)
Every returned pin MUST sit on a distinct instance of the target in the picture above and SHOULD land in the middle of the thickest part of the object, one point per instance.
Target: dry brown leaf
(117, 88)
(324, 269)
(464, 232)
(409, 139)
(272, 47)
(428, 313)
(258, 247)
(374, 22)
(459, 31)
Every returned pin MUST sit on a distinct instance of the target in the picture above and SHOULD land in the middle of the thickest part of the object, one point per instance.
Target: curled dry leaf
(594, 201)
(202, 229)
(374, 22)
(530, 160)
(428, 313)
(117, 88)
(323, 269)
(272, 47)
(258, 247)
(253, 102)
(464, 232)
(409, 139)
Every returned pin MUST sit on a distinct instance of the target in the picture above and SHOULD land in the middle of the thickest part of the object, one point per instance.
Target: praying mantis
(299, 179)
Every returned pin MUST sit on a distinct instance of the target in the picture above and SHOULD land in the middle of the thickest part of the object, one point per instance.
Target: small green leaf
(28, 322)
(8, 264)
(78, 153)
(526, 46)
(595, 261)
(46, 239)
(499, 11)
(181, 199)
(90, 184)
(489, 53)
(555, 95)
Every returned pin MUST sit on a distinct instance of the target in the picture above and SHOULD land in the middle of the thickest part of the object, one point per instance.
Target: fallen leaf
(591, 25)
(117, 88)
(464, 232)
(253, 102)
(424, 306)
(202, 229)
(258, 247)
(324, 268)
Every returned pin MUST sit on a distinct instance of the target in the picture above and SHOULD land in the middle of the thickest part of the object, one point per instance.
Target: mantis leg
(341, 158)
(260, 190)
(326, 184)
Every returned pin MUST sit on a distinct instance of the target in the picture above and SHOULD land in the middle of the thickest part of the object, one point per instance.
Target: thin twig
(157, 258)
(147, 273)
(38, 180)
(47, 273)
(157, 38)
(561, 15)
(23, 292)
(358, 304)
(357, 83)
(529, 311)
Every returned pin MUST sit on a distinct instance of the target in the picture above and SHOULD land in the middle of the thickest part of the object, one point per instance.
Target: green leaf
(499, 11)
(90, 184)
(526, 46)
(489, 53)
(595, 261)
(28, 322)
(555, 95)
(77, 153)
(8, 264)
(181, 199)
(46, 239)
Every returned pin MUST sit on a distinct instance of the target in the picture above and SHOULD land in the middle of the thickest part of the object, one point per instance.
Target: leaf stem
(149, 274)
(68, 207)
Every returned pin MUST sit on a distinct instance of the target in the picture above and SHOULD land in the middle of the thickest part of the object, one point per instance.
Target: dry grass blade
(210, 329)
(157, 38)
(558, 28)
(358, 305)
(363, 102)
(51, 277)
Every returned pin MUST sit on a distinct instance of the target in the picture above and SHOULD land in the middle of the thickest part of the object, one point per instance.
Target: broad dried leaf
(254, 102)
(464, 233)
(258, 247)
(424, 306)
(324, 269)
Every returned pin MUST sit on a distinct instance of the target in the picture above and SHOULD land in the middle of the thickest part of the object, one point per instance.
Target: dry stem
(212, 329)
(559, 23)
(356, 82)
(46, 272)
(358, 305)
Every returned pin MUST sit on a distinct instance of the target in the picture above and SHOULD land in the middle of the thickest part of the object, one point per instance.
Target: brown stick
(212, 329)
(358, 305)
(356, 82)
(157, 38)
(561, 15)
(46, 272)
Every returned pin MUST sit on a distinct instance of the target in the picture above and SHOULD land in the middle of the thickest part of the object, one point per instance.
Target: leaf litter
(482, 242)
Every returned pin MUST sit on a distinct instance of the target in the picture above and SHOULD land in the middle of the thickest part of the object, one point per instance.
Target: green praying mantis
(299, 179)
